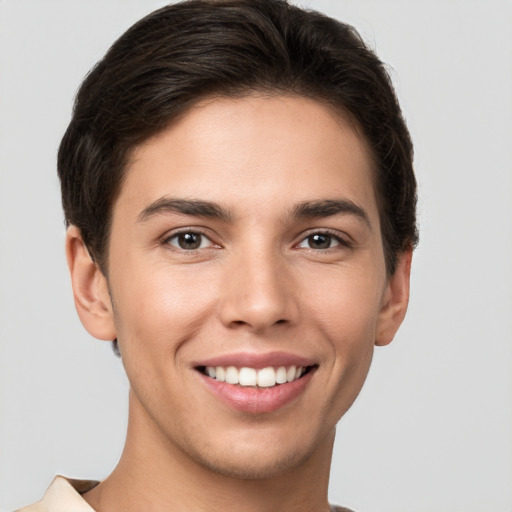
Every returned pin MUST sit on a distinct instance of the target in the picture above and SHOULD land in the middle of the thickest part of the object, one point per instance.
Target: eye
(189, 241)
(320, 241)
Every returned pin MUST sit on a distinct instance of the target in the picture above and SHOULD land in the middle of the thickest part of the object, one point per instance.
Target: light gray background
(432, 430)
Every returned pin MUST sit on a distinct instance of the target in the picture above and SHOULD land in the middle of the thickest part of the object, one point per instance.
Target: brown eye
(189, 241)
(320, 241)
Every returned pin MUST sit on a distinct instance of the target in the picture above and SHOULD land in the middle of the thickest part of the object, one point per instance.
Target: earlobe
(90, 289)
(395, 301)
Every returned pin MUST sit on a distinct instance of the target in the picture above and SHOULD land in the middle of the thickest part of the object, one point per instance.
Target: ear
(394, 301)
(90, 288)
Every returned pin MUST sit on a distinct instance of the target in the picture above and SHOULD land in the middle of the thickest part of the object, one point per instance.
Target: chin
(260, 458)
(254, 468)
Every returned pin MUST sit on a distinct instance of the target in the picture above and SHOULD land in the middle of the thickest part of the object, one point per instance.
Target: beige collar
(63, 495)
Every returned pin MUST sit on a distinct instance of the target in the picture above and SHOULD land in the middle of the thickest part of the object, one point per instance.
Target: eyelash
(333, 236)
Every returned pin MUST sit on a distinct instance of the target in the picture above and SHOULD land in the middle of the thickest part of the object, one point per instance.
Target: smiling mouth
(256, 378)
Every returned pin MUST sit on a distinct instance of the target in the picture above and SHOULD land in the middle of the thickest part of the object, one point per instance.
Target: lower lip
(257, 400)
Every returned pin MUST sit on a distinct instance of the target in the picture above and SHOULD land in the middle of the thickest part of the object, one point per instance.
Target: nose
(259, 292)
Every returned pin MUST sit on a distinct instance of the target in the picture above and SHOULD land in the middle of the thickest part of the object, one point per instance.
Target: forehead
(253, 149)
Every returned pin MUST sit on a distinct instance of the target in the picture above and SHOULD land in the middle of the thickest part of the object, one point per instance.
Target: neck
(154, 474)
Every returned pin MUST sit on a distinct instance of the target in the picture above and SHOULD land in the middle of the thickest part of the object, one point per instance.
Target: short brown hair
(181, 53)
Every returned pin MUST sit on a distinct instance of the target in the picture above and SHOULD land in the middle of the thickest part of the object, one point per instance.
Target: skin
(258, 283)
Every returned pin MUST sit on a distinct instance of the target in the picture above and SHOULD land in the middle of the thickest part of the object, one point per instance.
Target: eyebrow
(328, 208)
(208, 209)
(193, 207)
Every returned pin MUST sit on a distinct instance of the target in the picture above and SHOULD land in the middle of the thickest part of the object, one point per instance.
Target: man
(237, 182)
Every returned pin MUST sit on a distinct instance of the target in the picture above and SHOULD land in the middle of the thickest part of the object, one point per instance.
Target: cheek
(159, 308)
(346, 310)
(348, 322)
(347, 302)
(157, 313)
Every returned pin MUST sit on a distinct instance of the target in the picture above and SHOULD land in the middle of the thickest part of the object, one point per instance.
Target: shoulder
(63, 495)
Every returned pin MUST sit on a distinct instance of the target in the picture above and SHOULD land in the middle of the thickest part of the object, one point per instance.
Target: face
(247, 279)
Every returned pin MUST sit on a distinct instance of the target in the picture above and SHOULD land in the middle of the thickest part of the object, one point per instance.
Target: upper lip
(257, 361)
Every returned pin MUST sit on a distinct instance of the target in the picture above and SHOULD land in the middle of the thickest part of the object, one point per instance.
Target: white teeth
(231, 375)
(281, 375)
(221, 374)
(264, 378)
(247, 377)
